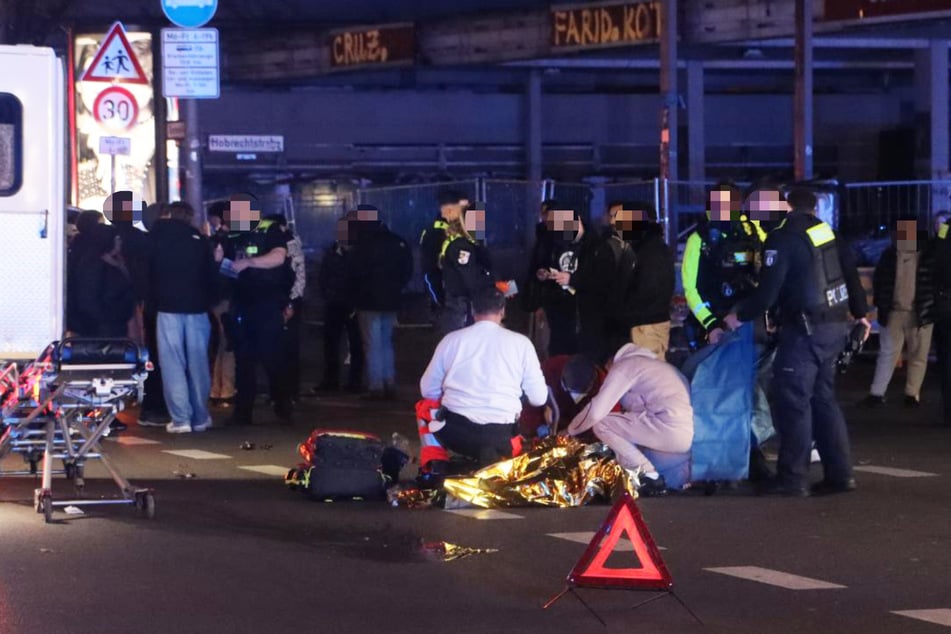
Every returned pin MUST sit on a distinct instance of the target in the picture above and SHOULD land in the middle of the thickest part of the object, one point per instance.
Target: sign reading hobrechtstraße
(605, 24)
(245, 143)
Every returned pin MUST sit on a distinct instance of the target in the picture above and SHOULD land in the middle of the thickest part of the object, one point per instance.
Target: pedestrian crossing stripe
(267, 469)
(775, 578)
(897, 473)
(196, 454)
(938, 617)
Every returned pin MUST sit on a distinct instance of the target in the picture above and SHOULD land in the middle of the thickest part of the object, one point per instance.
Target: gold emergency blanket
(560, 472)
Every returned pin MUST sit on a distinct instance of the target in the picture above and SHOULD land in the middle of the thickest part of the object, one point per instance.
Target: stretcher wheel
(47, 509)
(145, 502)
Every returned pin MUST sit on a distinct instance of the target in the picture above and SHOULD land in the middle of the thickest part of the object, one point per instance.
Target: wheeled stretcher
(61, 406)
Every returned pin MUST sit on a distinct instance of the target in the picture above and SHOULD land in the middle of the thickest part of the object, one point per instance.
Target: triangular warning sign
(115, 61)
(649, 571)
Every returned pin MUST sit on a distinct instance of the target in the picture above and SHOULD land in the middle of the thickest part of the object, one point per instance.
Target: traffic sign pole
(192, 162)
(190, 16)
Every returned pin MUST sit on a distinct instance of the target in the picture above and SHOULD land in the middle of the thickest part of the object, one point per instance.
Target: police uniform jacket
(466, 268)
(719, 268)
(789, 279)
(430, 246)
(942, 272)
(264, 286)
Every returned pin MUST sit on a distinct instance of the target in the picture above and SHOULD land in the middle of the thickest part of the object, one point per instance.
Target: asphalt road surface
(231, 550)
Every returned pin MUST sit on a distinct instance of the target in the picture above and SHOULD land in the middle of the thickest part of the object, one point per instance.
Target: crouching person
(655, 413)
(479, 375)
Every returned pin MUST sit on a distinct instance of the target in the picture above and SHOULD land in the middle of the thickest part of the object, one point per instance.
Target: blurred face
(767, 204)
(627, 221)
(474, 223)
(241, 216)
(368, 215)
(907, 232)
(723, 206)
(123, 207)
(565, 222)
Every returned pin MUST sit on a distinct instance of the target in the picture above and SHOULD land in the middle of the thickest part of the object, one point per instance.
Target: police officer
(719, 265)
(942, 327)
(431, 243)
(815, 285)
(262, 294)
(466, 269)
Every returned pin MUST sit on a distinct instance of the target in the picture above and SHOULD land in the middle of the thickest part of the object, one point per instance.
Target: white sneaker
(202, 427)
(814, 456)
(175, 428)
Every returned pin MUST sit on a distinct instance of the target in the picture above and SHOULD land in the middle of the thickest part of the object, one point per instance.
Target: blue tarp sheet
(721, 390)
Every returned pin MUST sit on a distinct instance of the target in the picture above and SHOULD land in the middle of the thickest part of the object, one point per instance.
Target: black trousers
(153, 402)
(291, 343)
(942, 338)
(563, 325)
(259, 331)
(486, 443)
(339, 319)
(805, 405)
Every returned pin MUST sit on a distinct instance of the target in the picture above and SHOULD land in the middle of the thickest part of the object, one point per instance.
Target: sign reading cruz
(373, 46)
(603, 25)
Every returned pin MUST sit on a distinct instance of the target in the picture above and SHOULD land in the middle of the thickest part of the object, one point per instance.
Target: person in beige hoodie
(655, 412)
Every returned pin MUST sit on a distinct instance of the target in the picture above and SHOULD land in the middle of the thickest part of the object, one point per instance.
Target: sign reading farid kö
(383, 45)
(604, 25)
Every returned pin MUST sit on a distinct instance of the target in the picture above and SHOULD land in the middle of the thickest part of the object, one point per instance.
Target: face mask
(577, 397)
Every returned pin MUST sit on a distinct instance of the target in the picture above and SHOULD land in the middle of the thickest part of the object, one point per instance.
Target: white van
(32, 200)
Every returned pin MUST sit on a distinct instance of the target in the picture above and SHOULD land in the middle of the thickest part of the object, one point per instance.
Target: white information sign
(115, 145)
(190, 63)
(244, 143)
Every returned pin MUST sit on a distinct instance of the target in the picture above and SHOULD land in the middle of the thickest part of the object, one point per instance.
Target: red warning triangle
(649, 571)
(115, 61)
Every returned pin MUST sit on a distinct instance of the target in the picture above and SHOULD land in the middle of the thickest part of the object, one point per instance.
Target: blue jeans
(186, 375)
(377, 331)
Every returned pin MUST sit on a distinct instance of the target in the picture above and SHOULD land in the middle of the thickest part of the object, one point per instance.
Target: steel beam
(802, 107)
(696, 137)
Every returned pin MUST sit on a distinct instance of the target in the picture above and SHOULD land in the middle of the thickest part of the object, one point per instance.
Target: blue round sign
(189, 14)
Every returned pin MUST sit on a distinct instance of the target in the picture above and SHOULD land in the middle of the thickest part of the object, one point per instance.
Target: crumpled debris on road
(444, 551)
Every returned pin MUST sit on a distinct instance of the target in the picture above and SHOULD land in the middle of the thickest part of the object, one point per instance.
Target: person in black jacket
(182, 273)
(466, 270)
(339, 313)
(594, 280)
(649, 287)
(382, 266)
(903, 291)
(942, 328)
(431, 241)
(153, 412)
(86, 223)
(105, 300)
(557, 249)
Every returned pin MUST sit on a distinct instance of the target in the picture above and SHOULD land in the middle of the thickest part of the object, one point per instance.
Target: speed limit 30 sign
(116, 108)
